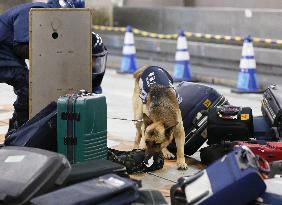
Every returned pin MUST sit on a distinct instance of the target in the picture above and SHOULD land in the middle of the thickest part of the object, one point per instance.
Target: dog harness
(155, 75)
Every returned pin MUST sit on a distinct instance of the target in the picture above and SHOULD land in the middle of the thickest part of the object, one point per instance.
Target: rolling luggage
(232, 180)
(270, 151)
(229, 123)
(39, 132)
(271, 106)
(105, 190)
(92, 169)
(195, 99)
(82, 126)
(27, 172)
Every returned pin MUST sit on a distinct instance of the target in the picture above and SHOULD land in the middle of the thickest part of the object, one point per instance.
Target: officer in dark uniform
(99, 61)
(14, 44)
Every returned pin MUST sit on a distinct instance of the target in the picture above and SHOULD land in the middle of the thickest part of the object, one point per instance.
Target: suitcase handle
(263, 170)
(228, 112)
(246, 158)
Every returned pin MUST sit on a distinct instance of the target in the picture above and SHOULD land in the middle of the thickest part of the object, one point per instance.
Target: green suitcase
(82, 127)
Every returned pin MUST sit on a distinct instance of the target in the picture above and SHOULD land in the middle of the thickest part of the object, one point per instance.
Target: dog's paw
(167, 154)
(182, 166)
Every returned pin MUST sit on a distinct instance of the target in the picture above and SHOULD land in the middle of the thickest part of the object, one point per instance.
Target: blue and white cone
(182, 60)
(128, 63)
(247, 81)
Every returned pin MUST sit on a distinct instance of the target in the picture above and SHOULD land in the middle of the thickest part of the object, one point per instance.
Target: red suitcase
(270, 151)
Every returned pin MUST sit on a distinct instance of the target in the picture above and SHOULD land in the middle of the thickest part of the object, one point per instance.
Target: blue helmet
(67, 3)
(79, 3)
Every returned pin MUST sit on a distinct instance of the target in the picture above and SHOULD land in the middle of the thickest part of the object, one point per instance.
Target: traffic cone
(128, 63)
(182, 59)
(247, 82)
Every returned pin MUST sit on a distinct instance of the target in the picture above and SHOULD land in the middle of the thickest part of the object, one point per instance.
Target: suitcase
(195, 98)
(105, 190)
(232, 180)
(229, 123)
(39, 132)
(271, 106)
(270, 151)
(27, 172)
(273, 193)
(150, 197)
(263, 131)
(92, 169)
(82, 126)
(214, 152)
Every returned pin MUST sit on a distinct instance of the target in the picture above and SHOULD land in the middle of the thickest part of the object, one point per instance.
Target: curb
(200, 78)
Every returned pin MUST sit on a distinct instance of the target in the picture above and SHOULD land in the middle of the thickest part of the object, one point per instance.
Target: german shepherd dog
(157, 110)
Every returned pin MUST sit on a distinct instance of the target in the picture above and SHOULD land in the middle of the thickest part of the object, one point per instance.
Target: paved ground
(118, 90)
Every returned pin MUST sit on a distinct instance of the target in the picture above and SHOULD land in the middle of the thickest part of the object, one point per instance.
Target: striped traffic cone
(247, 82)
(182, 60)
(128, 63)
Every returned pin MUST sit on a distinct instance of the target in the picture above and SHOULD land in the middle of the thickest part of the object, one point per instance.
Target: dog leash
(124, 119)
(155, 175)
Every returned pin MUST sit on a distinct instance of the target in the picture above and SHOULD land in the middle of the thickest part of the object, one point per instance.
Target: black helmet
(99, 56)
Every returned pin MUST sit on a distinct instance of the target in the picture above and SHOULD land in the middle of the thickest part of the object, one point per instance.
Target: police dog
(157, 112)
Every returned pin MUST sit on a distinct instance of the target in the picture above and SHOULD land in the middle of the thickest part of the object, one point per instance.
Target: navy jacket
(14, 30)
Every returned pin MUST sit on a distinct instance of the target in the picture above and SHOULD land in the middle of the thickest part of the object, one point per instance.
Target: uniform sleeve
(21, 27)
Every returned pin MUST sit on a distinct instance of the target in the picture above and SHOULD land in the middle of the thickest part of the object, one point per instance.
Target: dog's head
(157, 135)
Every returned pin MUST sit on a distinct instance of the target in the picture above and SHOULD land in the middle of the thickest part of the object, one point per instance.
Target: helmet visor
(99, 64)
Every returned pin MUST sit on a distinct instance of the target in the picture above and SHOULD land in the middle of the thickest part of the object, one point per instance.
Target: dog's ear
(169, 129)
(147, 121)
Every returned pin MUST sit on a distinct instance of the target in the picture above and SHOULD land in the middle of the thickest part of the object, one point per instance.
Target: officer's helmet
(68, 3)
(99, 53)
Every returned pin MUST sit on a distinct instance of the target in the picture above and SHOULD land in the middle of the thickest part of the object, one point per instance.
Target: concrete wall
(212, 55)
(275, 4)
(263, 4)
(263, 23)
(157, 3)
(5, 4)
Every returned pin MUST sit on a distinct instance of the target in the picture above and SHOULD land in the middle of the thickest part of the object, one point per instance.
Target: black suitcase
(92, 169)
(214, 152)
(271, 106)
(105, 190)
(229, 123)
(27, 172)
(195, 99)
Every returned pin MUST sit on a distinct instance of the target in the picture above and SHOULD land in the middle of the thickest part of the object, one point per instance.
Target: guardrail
(197, 36)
